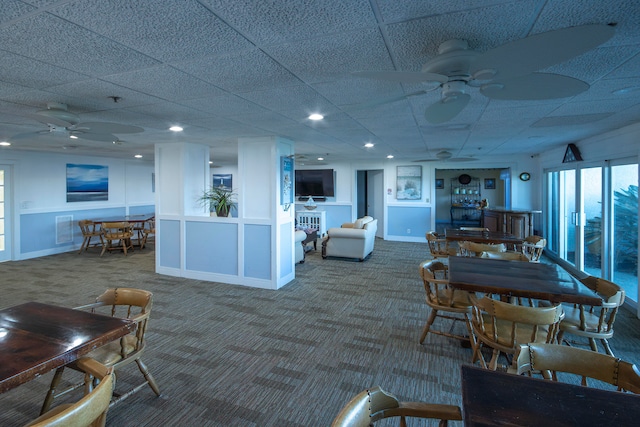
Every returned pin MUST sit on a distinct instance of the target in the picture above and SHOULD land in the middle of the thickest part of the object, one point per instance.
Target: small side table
(312, 236)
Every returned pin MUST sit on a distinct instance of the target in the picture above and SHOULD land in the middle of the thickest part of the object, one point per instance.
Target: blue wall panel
(286, 249)
(257, 251)
(38, 231)
(169, 245)
(212, 247)
(416, 219)
(140, 210)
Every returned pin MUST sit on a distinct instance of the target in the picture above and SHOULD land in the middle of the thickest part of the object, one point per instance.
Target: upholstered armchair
(352, 240)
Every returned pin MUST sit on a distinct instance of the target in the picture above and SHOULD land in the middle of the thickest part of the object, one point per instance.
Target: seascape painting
(87, 183)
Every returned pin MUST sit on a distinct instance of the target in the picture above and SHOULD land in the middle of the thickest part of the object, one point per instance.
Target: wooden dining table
(479, 236)
(541, 281)
(491, 398)
(36, 338)
(126, 218)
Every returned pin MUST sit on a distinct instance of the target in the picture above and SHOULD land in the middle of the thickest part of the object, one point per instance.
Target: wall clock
(525, 176)
(464, 179)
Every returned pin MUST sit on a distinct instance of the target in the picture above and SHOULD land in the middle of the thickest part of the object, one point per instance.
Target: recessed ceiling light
(390, 156)
(5, 143)
(73, 137)
(210, 162)
(320, 158)
(316, 116)
(368, 145)
(176, 128)
(138, 156)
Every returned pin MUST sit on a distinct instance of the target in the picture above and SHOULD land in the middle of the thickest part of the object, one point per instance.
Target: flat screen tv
(314, 182)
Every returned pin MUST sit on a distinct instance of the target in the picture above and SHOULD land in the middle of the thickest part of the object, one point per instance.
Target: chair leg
(607, 349)
(84, 244)
(147, 376)
(593, 344)
(427, 326)
(52, 390)
(493, 364)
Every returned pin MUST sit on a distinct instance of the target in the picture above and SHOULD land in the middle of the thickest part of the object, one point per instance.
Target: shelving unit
(465, 200)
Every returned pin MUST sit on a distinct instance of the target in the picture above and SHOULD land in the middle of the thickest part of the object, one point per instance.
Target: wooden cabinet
(516, 222)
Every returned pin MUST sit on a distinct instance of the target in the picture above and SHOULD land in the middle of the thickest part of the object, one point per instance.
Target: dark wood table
(36, 338)
(477, 236)
(126, 218)
(491, 398)
(519, 279)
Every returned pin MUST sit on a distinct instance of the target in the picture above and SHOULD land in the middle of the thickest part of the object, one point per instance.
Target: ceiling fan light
(73, 137)
(443, 155)
(316, 117)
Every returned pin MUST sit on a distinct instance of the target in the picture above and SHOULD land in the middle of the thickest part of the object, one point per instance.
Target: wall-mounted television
(315, 183)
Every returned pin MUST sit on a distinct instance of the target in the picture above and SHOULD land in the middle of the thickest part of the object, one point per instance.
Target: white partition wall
(268, 254)
(253, 249)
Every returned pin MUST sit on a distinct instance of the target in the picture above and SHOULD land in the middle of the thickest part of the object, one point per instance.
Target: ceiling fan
(446, 156)
(506, 72)
(60, 121)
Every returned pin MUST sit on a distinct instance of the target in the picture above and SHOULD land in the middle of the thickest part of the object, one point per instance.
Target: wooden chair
(549, 359)
(438, 246)
(504, 326)
(148, 230)
(89, 229)
(476, 249)
(130, 303)
(533, 246)
(91, 410)
(441, 297)
(375, 404)
(117, 236)
(594, 322)
(508, 256)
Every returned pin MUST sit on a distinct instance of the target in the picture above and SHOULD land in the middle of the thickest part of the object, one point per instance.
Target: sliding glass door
(592, 221)
(5, 253)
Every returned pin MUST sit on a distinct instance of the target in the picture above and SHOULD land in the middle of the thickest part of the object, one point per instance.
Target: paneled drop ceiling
(224, 69)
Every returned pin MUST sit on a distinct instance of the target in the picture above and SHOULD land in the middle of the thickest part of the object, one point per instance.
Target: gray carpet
(228, 355)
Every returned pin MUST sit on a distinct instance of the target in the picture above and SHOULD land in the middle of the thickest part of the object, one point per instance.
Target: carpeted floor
(228, 355)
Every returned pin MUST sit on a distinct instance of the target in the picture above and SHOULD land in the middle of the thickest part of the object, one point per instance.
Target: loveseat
(351, 240)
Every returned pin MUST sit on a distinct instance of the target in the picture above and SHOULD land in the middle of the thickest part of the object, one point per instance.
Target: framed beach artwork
(439, 184)
(286, 184)
(222, 180)
(409, 183)
(87, 183)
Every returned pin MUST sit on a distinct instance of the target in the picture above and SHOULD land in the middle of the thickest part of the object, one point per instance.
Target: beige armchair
(352, 240)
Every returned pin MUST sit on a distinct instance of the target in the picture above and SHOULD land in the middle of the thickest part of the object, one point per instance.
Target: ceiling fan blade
(447, 108)
(29, 135)
(540, 51)
(49, 119)
(403, 76)
(104, 137)
(534, 86)
(108, 127)
(356, 107)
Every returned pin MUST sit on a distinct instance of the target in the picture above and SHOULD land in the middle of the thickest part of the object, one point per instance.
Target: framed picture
(87, 183)
(223, 180)
(286, 183)
(439, 184)
(490, 184)
(409, 183)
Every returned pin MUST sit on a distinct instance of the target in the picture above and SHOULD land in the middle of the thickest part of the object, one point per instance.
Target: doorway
(5, 213)
(370, 196)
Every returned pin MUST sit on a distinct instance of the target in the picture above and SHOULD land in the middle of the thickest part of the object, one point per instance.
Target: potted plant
(218, 199)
